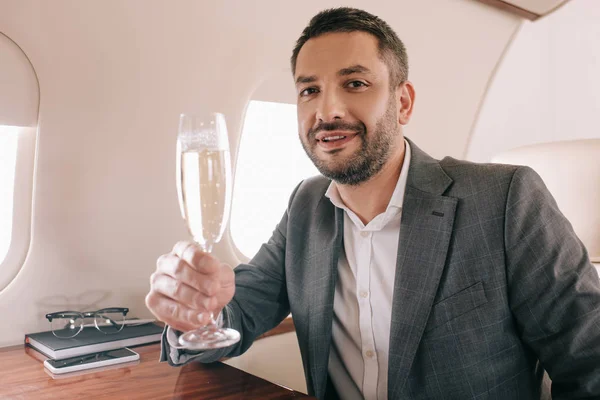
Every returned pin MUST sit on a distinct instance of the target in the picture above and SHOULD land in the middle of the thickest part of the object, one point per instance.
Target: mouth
(334, 139)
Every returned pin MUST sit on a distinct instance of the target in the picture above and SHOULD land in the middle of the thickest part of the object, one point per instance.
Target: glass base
(209, 338)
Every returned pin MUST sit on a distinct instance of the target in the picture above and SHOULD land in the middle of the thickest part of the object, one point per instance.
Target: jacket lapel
(326, 241)
(425, 231)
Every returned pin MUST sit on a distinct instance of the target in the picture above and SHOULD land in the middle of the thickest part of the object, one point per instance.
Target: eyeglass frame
(88, 314)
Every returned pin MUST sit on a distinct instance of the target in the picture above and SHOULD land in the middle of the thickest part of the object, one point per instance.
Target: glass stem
(207, 248)
(213, 321)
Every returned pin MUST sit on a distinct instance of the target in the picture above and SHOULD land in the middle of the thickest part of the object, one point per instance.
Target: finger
(175, 267)
(181, 293)
(226, 276)
(227, 289)
(193, 255)
(172, 313)
(200, 261)
(180, 247)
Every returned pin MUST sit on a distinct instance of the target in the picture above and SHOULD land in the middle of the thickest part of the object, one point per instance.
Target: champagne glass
(204, 191)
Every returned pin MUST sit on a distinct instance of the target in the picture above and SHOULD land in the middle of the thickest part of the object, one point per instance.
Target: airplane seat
(571, 171)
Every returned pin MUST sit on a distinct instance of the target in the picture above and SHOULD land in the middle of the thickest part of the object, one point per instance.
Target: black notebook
(91, 340)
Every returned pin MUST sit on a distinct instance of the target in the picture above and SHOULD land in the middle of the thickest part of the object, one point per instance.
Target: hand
(187, 285)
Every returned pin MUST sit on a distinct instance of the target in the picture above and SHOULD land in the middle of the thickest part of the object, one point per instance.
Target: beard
(374, 151)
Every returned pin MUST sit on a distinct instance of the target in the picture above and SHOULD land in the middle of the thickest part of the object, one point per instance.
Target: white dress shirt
(362, 306)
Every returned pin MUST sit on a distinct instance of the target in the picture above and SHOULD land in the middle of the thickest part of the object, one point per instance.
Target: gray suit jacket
(492, 287)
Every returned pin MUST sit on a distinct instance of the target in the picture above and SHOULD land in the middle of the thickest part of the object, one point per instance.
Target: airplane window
(19, 110)
(8, 159)
(271, 162)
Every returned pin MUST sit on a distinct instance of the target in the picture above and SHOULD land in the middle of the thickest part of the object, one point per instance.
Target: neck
(371, 198)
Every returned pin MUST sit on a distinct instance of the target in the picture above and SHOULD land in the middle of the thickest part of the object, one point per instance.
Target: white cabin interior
(90, 94)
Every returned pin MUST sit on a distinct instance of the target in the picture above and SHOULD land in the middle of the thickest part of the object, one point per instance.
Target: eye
(356, 84)
(308, 91)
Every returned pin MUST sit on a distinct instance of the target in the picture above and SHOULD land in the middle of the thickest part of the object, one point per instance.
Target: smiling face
(348, 116)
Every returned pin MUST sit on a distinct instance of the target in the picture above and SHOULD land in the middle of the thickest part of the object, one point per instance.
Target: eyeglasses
(67, 324)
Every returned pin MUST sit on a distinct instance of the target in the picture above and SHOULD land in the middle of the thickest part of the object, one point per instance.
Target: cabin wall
(547, 87)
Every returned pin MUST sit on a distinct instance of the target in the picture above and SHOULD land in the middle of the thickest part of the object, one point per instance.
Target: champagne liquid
(205, 194)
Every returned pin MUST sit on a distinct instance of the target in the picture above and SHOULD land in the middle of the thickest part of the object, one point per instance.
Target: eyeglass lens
(108, 321)
(67, 325)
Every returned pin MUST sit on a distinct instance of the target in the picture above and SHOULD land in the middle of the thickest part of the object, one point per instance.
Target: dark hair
(346, 19)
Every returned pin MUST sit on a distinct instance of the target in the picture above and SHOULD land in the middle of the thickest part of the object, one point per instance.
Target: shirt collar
(397, 196)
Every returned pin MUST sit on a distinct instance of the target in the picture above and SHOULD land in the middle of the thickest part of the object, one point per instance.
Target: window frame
(22, 207)
(23, 189)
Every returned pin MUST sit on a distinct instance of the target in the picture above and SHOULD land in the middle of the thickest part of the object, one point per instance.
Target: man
(407, 277)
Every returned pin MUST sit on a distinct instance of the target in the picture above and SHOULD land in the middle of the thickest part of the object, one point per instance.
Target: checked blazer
(492, 287)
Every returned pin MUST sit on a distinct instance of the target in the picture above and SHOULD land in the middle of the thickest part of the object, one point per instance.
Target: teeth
(333, 138)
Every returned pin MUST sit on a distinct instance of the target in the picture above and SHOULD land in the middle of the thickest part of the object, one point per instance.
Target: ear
(405, 93)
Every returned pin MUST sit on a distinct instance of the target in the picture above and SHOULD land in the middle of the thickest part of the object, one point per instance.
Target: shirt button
(364, 294)
(364, 234)
(369, 353)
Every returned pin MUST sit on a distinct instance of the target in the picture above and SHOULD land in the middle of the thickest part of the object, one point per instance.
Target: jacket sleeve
(554, 291)
(260, 302)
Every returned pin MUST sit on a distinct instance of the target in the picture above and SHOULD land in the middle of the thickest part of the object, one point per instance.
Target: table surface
(23, 376)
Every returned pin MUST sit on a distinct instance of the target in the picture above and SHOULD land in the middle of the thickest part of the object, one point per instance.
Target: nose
(330, 107)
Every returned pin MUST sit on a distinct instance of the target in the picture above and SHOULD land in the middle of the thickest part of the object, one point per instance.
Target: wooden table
(23, 376)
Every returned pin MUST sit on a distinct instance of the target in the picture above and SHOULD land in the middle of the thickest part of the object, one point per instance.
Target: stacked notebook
(91, 340)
